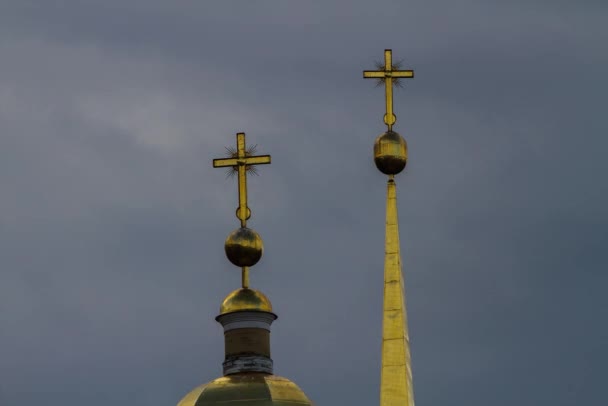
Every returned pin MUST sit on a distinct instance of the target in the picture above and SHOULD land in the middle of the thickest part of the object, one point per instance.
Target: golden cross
(387, 75)
(241, 161)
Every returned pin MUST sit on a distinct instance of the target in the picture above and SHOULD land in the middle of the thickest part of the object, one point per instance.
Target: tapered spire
(396, 376)
(390, 156)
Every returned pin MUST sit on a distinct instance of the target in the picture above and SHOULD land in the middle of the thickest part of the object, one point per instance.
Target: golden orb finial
(390, 153)
(244, 247)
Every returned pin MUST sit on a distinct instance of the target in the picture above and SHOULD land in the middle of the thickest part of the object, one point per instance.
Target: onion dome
(245, 299)
(247, 389)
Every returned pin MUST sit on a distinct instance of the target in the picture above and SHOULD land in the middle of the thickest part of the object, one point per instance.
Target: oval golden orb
(390, 153)
(245, 299)
(244, 247)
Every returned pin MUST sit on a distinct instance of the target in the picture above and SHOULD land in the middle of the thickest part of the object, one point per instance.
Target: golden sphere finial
(244, 247)
(390, 153)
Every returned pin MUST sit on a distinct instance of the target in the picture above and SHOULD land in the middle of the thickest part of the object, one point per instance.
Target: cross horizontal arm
(392, 73)
(222, 162)
(402, 73)
(257, 160)
(374, 73)
(250, 160)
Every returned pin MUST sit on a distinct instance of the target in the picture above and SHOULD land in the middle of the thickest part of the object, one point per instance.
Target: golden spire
(390, 156)
(243, 246)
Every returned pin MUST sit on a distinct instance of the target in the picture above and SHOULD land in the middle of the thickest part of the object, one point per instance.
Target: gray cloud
(112, 220)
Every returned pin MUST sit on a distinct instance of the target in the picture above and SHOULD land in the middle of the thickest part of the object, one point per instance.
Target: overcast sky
(112, 219)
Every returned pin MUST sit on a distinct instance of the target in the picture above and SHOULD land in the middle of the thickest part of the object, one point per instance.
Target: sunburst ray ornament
(232, 152)
(397, 81)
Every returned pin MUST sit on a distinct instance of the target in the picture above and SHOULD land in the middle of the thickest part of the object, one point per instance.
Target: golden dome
(249, 389)
(390, 153)
(244, 247)
(246, 299)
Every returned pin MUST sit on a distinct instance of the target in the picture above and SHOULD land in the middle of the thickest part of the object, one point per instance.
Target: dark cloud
(112, 220)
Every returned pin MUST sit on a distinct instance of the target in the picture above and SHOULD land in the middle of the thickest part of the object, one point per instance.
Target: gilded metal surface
(390, 153)
(388, 75)
(251, 389)
(396, 376)
(243, 248)
(245, 299)
(242, 162)
(246, 316)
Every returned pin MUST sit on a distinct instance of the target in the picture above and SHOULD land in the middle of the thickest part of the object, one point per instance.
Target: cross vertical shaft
(242, 210)
(390, 118)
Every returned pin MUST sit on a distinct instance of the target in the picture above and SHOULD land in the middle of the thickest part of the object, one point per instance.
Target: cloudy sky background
(112, 219)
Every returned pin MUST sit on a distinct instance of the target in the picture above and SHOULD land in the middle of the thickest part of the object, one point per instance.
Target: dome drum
(247, 341)
(247, 363)
(246, 319)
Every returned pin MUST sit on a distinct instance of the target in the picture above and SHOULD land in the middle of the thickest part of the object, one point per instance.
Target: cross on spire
(387, 75)
(241, 161)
